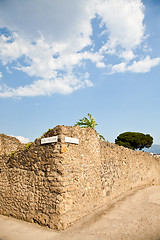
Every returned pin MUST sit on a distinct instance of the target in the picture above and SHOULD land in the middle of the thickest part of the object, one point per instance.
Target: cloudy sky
(63, 59)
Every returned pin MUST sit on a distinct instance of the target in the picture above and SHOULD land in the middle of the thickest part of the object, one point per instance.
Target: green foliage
(28, 145)
(134, 140)
(88, 122)
(12, 153)
(103, 138)
(46, 132)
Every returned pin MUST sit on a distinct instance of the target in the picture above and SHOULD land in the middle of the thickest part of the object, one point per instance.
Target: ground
(133, 216)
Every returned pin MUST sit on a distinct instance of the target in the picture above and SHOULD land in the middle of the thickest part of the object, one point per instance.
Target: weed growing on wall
(28, 145)
(12, 153)
(46, 132)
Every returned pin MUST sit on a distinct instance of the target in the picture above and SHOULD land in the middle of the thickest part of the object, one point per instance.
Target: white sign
(71, 140)
(49, 140)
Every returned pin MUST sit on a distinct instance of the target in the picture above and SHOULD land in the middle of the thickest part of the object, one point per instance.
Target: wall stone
(9, 144)
(55, 184)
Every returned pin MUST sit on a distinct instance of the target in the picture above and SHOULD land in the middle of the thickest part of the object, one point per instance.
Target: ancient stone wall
(123, 169)
(31, 184)
(55, 184)
(8, 144)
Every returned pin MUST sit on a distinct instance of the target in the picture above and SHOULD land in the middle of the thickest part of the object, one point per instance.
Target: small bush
(28, 145)
(46, 132)
(12, 153)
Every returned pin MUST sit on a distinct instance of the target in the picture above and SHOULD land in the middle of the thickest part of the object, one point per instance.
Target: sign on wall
(49, 140)
(71, 140)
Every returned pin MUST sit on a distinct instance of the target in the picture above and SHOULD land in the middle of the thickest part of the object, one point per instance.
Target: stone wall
(8, 144)
(55, 184)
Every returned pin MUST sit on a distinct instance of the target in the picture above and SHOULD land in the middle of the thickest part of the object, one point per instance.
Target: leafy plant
(28, 145)
(46, 132)
(88, 122)
(12, 153)
(103, 138)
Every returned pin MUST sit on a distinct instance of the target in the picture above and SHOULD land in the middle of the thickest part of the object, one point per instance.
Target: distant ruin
(56, 183)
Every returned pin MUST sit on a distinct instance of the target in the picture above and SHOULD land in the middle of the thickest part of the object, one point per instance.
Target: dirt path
(135, 216)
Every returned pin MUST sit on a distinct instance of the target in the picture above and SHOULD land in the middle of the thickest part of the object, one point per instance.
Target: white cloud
(100, 65)
(144, 65)
(141, 66)
(121, 67)
(22, 139)
(124, 21)
(47, 41)
(127, 55)
(1, 75)
(58, 20)
(65, 85)
(42, 64)
(64, 31)
(12, 48)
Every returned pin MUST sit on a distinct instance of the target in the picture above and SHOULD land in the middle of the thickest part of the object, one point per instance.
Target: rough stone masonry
(9, 144)
(55, 184)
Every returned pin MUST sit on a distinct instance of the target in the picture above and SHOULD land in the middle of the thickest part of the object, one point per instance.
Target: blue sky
(60, 60)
